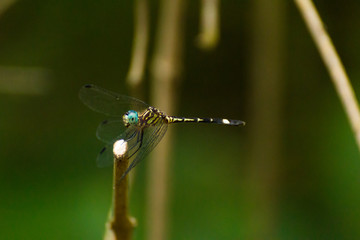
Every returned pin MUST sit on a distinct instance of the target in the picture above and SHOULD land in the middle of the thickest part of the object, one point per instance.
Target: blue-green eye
(131, 117)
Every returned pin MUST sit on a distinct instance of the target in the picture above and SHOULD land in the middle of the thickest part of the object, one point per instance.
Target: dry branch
(120, 225)
(333, 64)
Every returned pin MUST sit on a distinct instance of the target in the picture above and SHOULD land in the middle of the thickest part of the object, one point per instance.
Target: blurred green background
(50, 187)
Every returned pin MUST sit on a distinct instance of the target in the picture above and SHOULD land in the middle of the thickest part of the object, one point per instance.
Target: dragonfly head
(130, 118)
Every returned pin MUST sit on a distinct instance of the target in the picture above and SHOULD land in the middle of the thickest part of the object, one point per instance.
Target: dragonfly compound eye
(131, 117)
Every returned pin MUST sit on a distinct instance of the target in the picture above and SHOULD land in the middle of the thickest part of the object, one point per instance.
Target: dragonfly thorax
(151, 117)
(131, 117)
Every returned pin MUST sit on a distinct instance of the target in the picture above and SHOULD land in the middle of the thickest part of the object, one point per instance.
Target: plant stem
(120, 225)
(333, 64)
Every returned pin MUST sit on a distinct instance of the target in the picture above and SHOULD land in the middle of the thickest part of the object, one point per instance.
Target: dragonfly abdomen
(223, 121)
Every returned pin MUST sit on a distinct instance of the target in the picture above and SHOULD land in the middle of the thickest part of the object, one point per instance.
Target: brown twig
(333, 64)
(120, 225)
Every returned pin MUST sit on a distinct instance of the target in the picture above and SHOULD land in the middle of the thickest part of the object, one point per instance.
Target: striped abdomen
(223, 121)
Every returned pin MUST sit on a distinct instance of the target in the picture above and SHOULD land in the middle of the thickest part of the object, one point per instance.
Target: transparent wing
(111, 130)
(108, 102)
(106, 156)
(151, 137)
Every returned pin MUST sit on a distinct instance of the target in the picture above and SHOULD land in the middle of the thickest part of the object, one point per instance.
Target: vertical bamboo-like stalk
(139, 50)
(165, 70)
(209, 24)
(266, 117)
(333, 64)
(120, 225)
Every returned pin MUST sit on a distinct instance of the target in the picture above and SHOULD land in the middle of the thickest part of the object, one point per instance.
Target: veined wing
(106, 155)
(152, 136)
(111, 130)
(108, 102)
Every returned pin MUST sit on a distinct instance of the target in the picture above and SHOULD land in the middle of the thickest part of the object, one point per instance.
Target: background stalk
(333, 64)
(266, 117)
(165, 71)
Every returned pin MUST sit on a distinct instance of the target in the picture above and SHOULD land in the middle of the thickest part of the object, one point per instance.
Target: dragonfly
(133, 121)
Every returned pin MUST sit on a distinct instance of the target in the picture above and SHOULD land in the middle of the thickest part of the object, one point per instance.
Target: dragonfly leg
(131, 137)
(139, 140)
(141, 135)
(133, 163)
